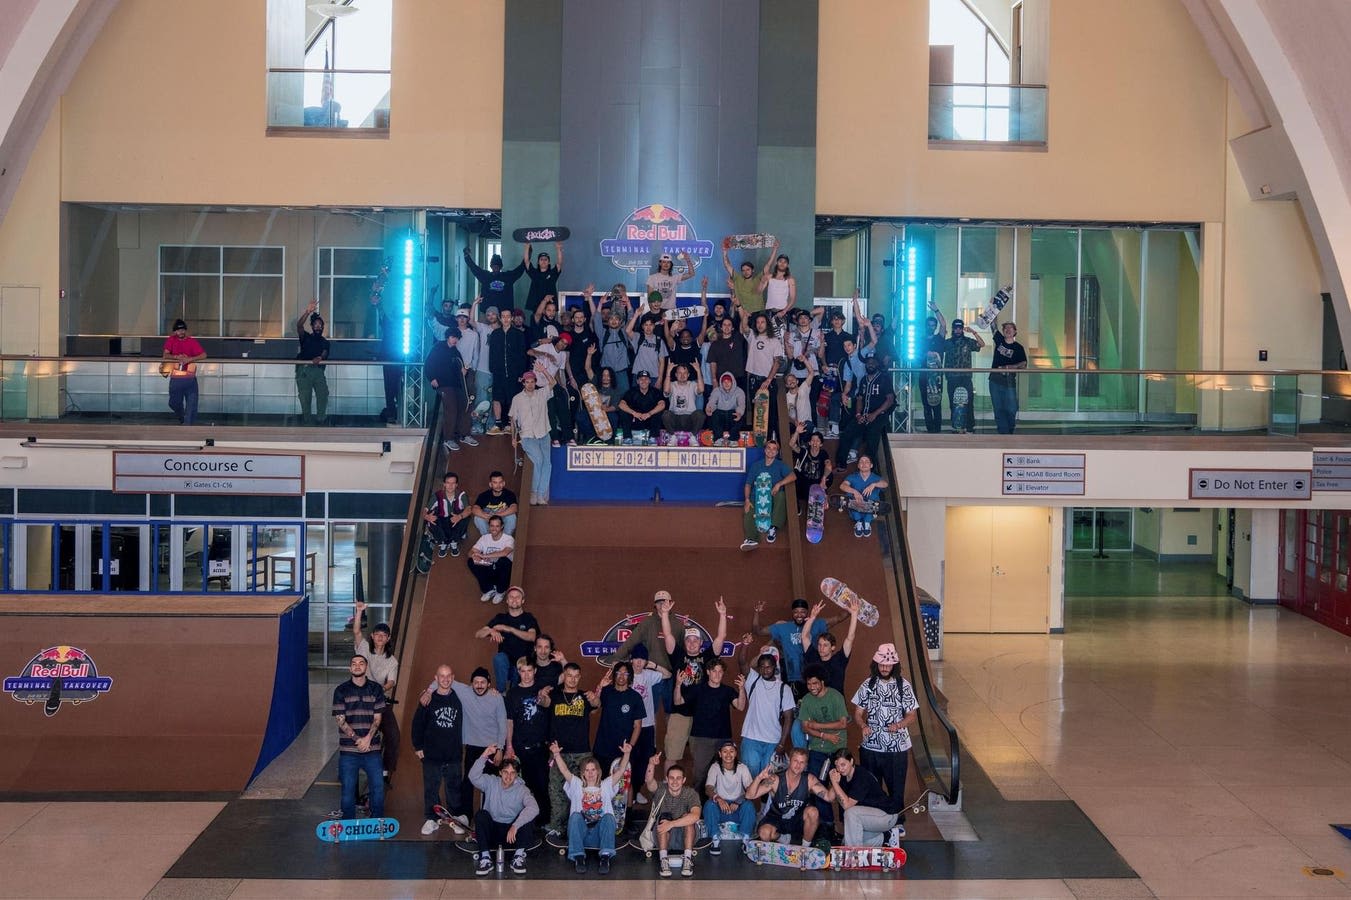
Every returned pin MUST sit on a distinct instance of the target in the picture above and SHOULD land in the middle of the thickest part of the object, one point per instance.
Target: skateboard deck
(762, 497)
(961, 400)
(792, 856)
(760, 419)
(599, 420)
(816, 513)
(997, 302)
(840, 594)
(747, 241)
(621, 800)
(684, 312)
(830, 382)
(336, 831)
(444, 817)
(547, 234)
(864, 859)
(845, 502)
(933, 384)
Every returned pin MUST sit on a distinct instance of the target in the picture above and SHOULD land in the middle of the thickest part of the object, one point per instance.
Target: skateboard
(961, 399)
(335, 831)
(599, 420)
(792, 856)
(424, 555)
(763, 500)
(1001, 297)
(840, 594)
(863, 859)
(444, 817)
(830, 383)
(846, 502)
(747, 241)
(933, 384)
(547, 234)
(760, 419)
(685, 312)
(621, 800)
(169, 367)
(816, 513)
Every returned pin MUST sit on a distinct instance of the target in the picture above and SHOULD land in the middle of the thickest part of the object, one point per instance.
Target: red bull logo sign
(58, 675)
(650, 231)
(603, 650)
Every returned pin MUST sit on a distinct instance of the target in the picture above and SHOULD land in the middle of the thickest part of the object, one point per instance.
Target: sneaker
(716, 848)
(470, 440)
(553, 832)
(543, 501)
(485, 865)
(555, 444)
(461, 820)
(604, 866)
(450, 446)
(486, 596)
(441, 551)
(534, 499)
(518, 862)
(687, 870)
(858, 529)
(498, 597)
(853, 458)
(749, 544)
(894, 836)
(664, 870)
(772, 534)
(429, 826)
(867, 530)
(493, 430)
(581, 865)
(454, 548)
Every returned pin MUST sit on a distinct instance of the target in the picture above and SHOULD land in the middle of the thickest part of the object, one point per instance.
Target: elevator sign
(1250, 484)
(1046, 474)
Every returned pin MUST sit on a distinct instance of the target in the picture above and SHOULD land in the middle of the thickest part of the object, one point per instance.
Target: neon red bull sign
(650, 231)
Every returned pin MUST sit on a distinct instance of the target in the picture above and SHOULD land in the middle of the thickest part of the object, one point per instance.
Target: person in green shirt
(825, 720)
(747, 287)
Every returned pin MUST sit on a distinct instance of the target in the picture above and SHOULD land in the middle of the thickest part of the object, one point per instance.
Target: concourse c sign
(272, 474)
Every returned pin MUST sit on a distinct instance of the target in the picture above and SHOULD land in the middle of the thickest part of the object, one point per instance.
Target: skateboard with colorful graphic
(747, 241)
(997, 302)
(337, 831)
(600, 422)
(839, 593)
(680, 313)
(760, 418)
(867, 859)
(933, 384)
(846, 502)
(444, 817)
(543, 234)
(791, 856)
(830, 383)
(762, 499)
(961, 408)
(816, 513)
(620, 804)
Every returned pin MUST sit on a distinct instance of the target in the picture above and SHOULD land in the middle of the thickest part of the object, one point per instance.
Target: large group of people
(528, 749)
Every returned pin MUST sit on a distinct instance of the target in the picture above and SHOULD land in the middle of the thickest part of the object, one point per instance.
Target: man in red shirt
(181, 355)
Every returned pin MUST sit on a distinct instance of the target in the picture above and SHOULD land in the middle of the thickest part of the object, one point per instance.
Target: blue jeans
(663, 696)
(183, 397)
(865, 518)
(583, 834)
(538, 449)
(504, 672)
(756, 754)
(743, 816)
(1004, 398)
(348, 766)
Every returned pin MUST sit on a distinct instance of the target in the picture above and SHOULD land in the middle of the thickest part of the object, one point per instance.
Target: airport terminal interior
(1058, 284)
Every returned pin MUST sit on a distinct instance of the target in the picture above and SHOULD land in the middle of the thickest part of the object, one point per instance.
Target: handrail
(293, 69)
(903, 575)
(985, 84)
(401, 613)
(210, 360)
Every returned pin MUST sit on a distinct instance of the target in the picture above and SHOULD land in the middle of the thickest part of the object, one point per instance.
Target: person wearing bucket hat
(884, 708)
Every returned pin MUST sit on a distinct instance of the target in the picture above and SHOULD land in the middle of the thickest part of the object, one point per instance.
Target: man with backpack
(770, 707)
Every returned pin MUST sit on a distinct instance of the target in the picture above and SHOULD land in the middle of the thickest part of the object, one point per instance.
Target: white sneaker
(461, 820)
(664, 870)
(487, 596)
(498, 597)
(470, 440)
(429, 826)
(687, 870)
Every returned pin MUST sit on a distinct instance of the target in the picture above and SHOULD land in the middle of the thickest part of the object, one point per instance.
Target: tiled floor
(1209, 740)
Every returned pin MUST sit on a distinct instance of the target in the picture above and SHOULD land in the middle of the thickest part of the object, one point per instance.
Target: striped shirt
(359, 706)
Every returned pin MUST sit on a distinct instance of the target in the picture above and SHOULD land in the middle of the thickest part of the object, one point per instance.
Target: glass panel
(343, 566)
(38, 558)
(278, 558)
(1052, 344)
(253, 261)
(1290, 523)
(253, 306)
(1116, 528)
(331, 99)
(358, 263)
(1109, 331)
(190, 259)
(193, 298)
(1082, 534)
(351, 298)
(163, 537)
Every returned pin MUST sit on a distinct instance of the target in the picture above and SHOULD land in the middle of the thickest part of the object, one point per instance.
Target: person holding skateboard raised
(779, 476)
(826, 650)
(496, 284)
(747, 287)
(1009, 357)
(543, 276)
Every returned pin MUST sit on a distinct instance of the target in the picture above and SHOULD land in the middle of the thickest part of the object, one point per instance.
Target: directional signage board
(1331, 470)
(1250, 484)
(1046, 474)
(190, 472)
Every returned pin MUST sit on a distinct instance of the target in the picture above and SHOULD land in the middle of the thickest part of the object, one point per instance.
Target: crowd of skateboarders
(642, 752)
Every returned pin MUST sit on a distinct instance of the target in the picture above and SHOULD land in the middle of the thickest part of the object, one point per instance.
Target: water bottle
(500, 855)
(619, 435)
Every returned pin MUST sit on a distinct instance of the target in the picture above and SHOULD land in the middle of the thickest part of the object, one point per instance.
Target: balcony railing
(988, 114)
(348, 100)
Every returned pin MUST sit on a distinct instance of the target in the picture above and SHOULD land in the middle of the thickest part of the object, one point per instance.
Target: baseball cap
(179, 323)
(528, 376)
(957, 323)
(463, 310)
(565, 338)
(693, 632)
(643, 374)
(665, 257)
(661, 595)
(492, 310)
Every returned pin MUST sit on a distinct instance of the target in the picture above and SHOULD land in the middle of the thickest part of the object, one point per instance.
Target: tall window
(344, 278)
(223, 291)
(329, 64)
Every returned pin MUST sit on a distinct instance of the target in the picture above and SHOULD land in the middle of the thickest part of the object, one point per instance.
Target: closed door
(1020, 568)
(967, 567)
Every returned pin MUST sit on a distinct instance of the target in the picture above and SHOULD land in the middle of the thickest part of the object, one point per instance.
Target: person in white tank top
(781, 291)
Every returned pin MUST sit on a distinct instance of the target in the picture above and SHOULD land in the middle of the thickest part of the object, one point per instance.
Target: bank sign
(650, 231)
(270, 474)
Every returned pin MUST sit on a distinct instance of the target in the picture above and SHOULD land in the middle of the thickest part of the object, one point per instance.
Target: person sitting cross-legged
(787, 812)
(726, 785)
(591, 821)
(490, 561)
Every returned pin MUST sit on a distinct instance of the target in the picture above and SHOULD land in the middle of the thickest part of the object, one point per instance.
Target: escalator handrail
(413, 528)
(904, 577)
